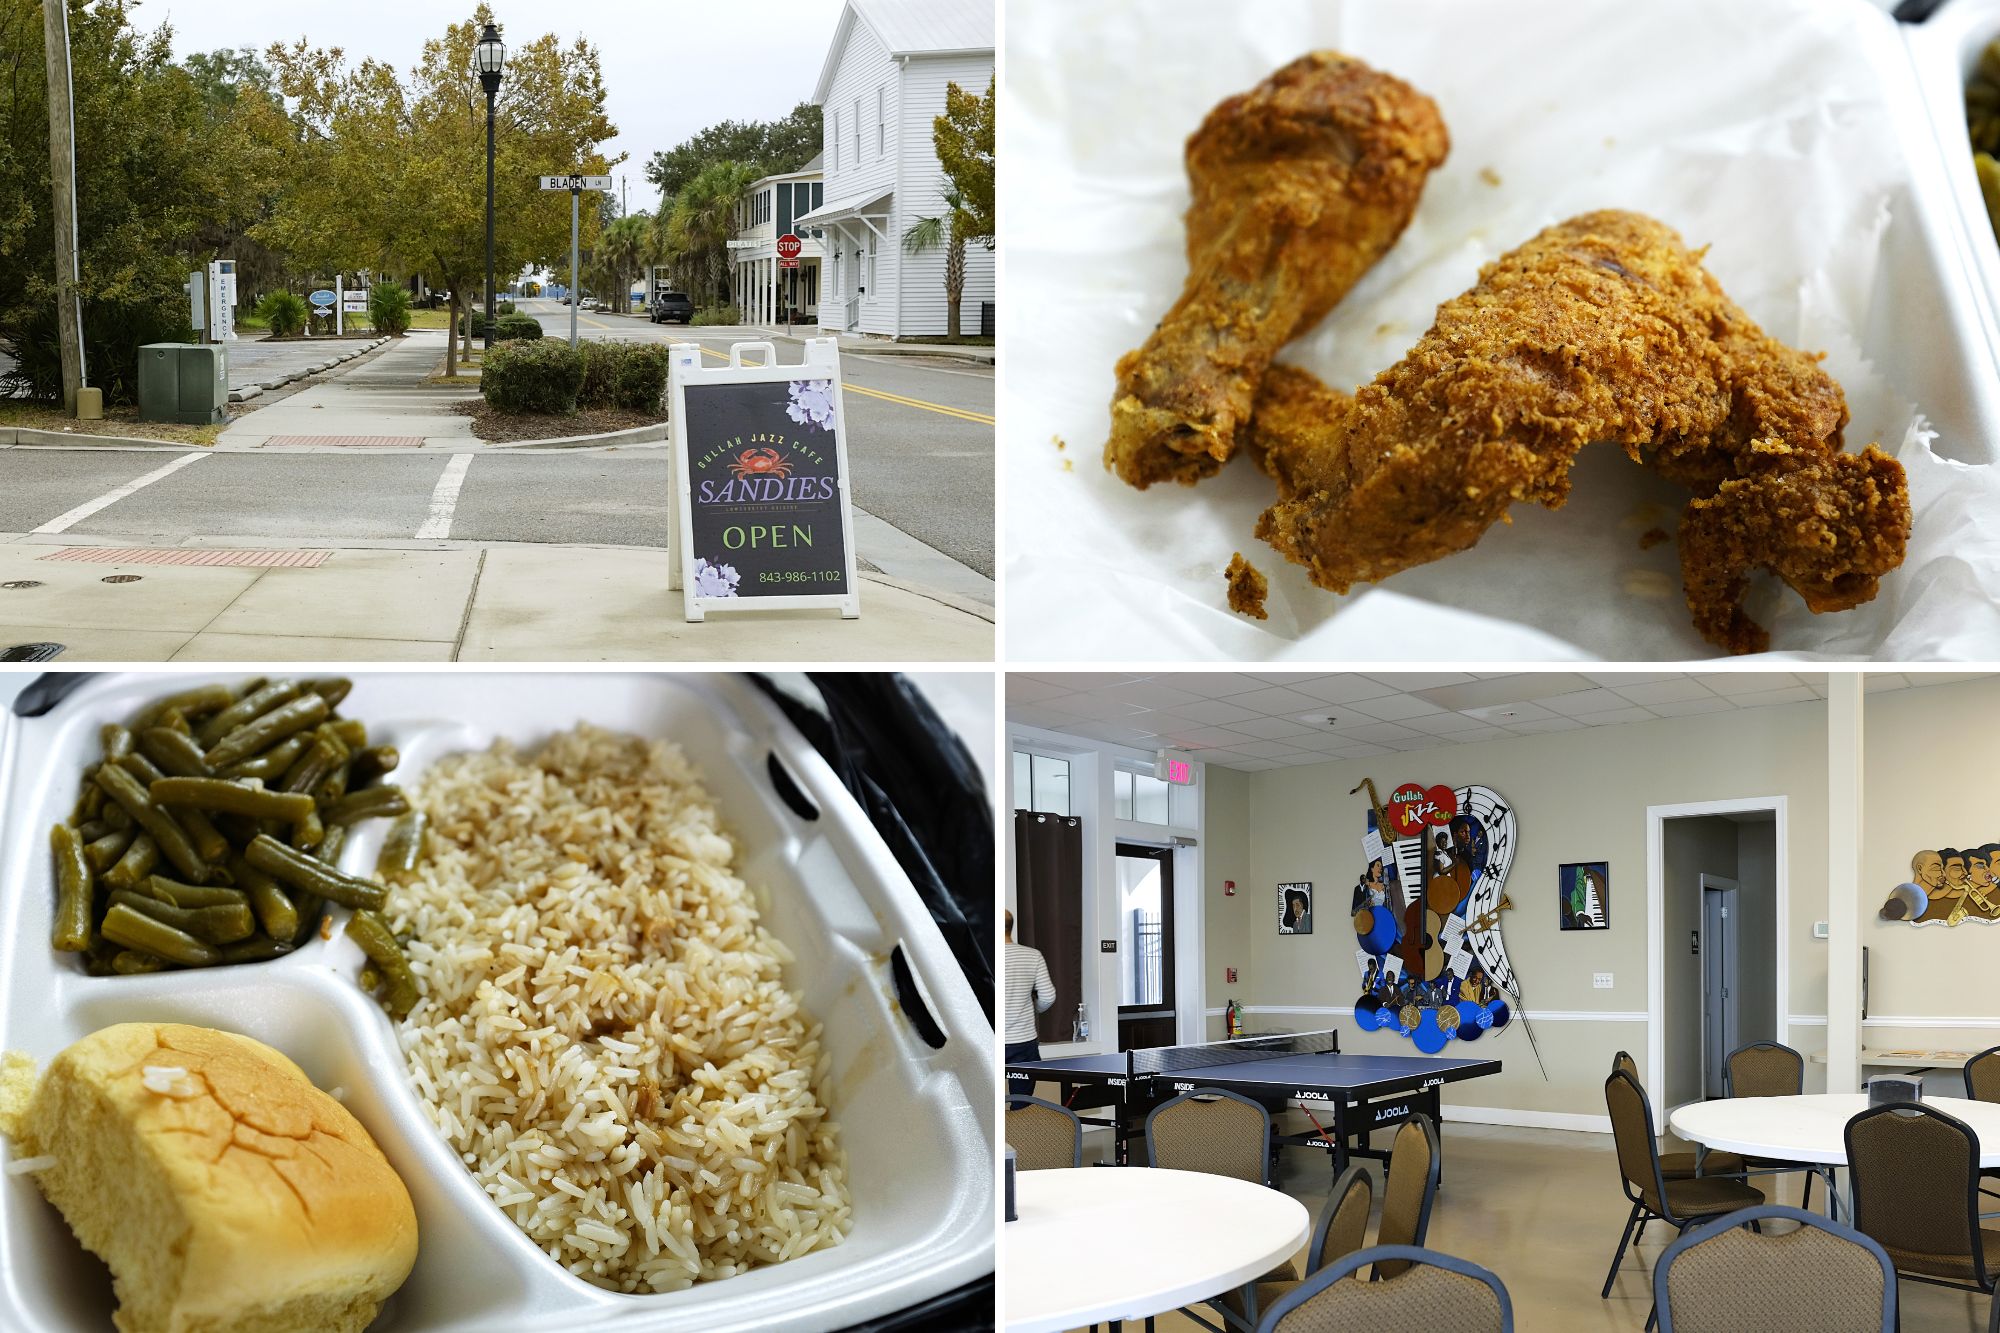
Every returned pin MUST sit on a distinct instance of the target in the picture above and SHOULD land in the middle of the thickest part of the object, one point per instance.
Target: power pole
(62, 177)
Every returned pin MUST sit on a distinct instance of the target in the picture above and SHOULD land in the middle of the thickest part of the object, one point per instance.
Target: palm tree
(619, 252)
(704, 216)
(948, 229)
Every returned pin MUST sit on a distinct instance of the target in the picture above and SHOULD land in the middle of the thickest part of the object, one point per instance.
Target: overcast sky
(669, 69)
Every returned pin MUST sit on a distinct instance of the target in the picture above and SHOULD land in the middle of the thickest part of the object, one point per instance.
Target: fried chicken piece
(1604, 328)
(1247, 588)
(1300, 185)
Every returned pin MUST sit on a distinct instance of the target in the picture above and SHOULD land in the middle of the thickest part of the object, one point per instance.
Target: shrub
(389, 308)
(531, 376)
(512, 327)
(602, 362)
(284, 313)
(113, 333)
(478, 318)
(719, 314)
(507, 307)
(642, 380)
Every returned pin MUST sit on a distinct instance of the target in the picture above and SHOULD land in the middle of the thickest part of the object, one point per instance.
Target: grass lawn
(117, 421)
(430, 319)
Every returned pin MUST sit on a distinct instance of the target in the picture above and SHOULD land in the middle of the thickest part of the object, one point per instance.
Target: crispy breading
(1299, 186)
(1247, 587)
(1605, 328)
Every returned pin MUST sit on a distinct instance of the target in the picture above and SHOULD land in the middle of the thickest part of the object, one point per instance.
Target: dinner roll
(224, 1190)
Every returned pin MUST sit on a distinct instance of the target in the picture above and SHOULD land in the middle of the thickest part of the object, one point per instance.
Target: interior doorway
(1146, 1008)
(1717, 950)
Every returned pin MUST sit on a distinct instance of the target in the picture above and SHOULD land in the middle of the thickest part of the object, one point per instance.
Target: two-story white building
(763, 286)
(881, 89)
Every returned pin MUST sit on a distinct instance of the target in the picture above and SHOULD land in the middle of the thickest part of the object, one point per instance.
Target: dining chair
(1678, 1203)
(1224, 1134)
(1432, 1290)
(1914, 1172)
(1043, 1134)
(1769, 1069)
(1982, 1084)
(1682, 1165)
(1341, 1230)
(1730, 1274)
(1410, 1190)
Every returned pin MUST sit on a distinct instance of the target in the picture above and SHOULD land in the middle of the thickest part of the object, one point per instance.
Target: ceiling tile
(1026, 689)
(1285, 677)
(1945, 677)
(1663, 691)
(1212, 737)
(1342, 689)
(1296, 760)
(1082, 680)
(1798, 694)
(1616, 716)
(1507, 715)
(1272, 728)
(1116, 735)
(1747, 682)
(1267, 749)
(1098, 706)
(1875, 682)
(1712, 704)
(1394, 707)
(1542, 726)
(1148, 694)
(1380, 733)
(1419, 743)
(1276, 702)
(1210, 684)
(1326, 742)
(1409, 682)
(1444, 724)
(1213, 712)
(1032, 716)
(1478, 735)
(1632, 677)
(1252, 765)
(1587, 701)
(1362, 751)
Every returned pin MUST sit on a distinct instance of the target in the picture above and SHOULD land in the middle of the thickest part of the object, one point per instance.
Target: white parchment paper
(1774, 132)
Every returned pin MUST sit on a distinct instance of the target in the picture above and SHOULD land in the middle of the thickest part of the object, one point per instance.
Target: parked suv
(671, 305)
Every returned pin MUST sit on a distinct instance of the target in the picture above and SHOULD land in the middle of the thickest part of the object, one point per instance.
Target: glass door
(1145, 946)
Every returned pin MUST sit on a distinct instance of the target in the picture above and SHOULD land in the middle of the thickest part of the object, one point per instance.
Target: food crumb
(1384, 330)
(1652, 537)
(1058, 442)
(1068, 465)
(1247, 588)
(1648, 583)
(326, 927)
(1490, 176)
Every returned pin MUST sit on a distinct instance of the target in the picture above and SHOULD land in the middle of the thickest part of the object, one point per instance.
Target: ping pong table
(1358, 1093)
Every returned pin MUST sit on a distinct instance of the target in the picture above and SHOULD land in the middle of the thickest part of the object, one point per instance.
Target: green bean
(372, 933)
(91, 800)
(374, 762)
(369, 803)
(142, 768)
(194, 895)
(275, 912)
(209, 844)
(73, 889)
(175, 754)
(329, 846)
(175, 720)
(404, 846)
(336, 782)
(197, 702)
(130, 963)
(305, 711)
(311, 908)
(333, 690)
(103, 854)
(173, 842)
(136, 865)
(255, 951)
(136, 930)
(117, 741)
(247, 709)
(309, 832)
(270, 765)
(1989, 186)
(232, 798)
(115, 817)
(296, 870)
(370, 978)
(353, 732)
(311, 768)
(98, 958)
(92, 830)
(217, 925)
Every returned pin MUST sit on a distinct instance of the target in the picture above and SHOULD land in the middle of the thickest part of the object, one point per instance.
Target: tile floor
(1542, 1209)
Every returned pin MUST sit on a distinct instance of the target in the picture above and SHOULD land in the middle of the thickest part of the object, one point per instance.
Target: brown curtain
(1048, 909)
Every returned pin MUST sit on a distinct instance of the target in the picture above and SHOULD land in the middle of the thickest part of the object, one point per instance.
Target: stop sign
(789, 246)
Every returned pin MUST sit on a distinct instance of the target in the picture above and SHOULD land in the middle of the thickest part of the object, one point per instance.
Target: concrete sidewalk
(443, 602)
(258, 364)
(858, 345)
(385, 401)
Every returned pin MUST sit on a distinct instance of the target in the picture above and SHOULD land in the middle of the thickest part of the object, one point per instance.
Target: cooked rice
(605, 1038)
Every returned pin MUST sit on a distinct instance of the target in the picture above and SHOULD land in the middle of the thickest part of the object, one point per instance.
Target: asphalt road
(922, 461)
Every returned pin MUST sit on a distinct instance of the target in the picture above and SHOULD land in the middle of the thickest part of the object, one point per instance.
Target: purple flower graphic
(715, 580)
(812, 400)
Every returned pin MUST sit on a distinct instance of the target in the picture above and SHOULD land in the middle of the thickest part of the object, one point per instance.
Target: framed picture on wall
(1295, 909)
(1583, 895)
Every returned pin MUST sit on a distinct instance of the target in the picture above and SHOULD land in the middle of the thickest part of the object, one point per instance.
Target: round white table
(1101, 1243)
(1811, 1128)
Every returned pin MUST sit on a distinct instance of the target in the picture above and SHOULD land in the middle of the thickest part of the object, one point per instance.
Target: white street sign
(576, 182)
(596, 182)
(555, 182)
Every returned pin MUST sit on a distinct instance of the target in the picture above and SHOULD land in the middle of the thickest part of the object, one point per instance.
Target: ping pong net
(1161, 1060)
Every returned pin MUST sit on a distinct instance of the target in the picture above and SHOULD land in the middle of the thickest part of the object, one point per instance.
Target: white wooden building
(881, 88)
(764, 289)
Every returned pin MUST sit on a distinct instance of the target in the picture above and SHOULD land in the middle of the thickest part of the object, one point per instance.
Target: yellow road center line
(961, 413)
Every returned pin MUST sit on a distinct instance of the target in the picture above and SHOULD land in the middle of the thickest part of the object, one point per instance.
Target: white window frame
(881, 121)
(833, 140)
(857, 128)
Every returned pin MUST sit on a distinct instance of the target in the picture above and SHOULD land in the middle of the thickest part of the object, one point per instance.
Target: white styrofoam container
(1942, 55)
(917, 1123)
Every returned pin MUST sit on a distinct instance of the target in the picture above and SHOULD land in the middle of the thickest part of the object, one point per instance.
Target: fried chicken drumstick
(1604, 328)
(1300, 185)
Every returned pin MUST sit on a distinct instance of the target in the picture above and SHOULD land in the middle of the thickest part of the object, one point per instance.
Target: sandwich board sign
(764, 515)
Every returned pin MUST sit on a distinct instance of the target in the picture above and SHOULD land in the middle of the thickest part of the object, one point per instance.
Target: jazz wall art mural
(1948, 885)
(1427, 913)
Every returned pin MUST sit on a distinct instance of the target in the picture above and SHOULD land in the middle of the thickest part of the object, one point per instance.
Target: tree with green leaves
(700, 223)
(619, 254)
(949, 229)
(771, 147)
(963, 136)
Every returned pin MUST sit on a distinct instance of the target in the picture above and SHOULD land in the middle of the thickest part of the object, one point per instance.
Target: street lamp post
(491, 56)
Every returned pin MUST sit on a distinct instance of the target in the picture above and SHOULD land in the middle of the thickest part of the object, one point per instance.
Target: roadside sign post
(762, 517)
(222, 301)
(339, 305)
(789, 248)
(576, 184)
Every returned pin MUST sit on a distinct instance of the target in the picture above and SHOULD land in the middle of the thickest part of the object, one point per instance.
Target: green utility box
(183, 382)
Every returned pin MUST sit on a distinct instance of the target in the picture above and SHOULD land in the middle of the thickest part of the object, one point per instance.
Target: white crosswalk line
(444, 500)
(64, 522)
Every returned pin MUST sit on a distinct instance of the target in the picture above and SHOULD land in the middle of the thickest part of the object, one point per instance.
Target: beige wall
(1226, 857)
(1582, 795)
(1756, 870)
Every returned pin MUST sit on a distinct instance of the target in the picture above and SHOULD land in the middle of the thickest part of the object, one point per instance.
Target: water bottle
(1082, 1023)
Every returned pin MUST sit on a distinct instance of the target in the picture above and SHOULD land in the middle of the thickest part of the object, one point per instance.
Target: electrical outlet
(1600, 980)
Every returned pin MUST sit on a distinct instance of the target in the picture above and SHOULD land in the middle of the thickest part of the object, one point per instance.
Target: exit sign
(1175, 766)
